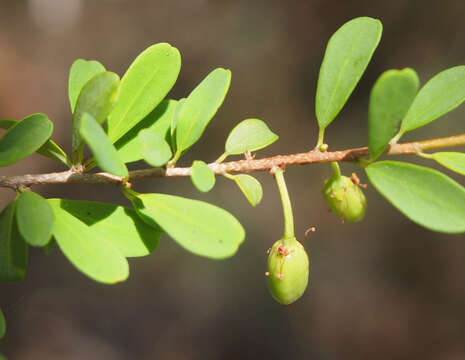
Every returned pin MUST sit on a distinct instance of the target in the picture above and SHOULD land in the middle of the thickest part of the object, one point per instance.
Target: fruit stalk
(336, 169)
(288, 233)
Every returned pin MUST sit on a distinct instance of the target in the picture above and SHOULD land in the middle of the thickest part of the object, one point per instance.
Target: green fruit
(345, 198)
(287, 270)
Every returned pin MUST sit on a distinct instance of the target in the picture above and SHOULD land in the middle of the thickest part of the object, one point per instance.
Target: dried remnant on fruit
(287, 270)
(345, 198)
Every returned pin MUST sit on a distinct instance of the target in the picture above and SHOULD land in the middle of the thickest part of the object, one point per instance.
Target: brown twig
(240, 166)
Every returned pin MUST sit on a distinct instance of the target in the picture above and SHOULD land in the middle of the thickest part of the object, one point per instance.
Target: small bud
(288, 267)
(345, 198)
(323, 147)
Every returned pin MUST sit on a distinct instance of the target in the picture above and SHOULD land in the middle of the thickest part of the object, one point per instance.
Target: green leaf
(97, 98)
(80, 73)
(347, 55)
(250, 187)
(24, 138)
(390, 100)
(3, 357)
(87, 249)
(199, 227)
(202, 176)
(199, 108)
(50, 149)
(2, 325)
(441, 94)
(251, 135)
(105, 153)
(13, 248)
(427, 197)
(154, 148)
(35, 218)
(118, 225)
(145, 84)
(159, 121)
(454, 161)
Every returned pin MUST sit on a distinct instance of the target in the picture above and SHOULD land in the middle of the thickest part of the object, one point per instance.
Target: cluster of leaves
(123, 122)
(397, 105)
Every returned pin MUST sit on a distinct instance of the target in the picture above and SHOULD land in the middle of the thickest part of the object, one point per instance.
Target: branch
(241, 166)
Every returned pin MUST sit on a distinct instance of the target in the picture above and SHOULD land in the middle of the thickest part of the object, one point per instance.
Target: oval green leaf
(159, 121)
(118, 225)
(250, 187)
(24, 138)
(105, 153)
(87, 249)
(50, 149)
(390, 100)
(441, 94)
(427, 197)
(145, 84)
(199, 227)
(202, 176)
(13, 248)
(154, 148)
(2, 325)
(199, 108)
(347, 55)
(454, 161)
(35, 218)
(81, 71)
(249, 135)
(97, 98)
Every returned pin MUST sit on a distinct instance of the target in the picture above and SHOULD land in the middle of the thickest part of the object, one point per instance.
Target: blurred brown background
(383, 288)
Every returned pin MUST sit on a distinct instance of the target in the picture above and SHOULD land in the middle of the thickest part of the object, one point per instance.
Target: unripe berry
(288, 268)
(345, 198)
